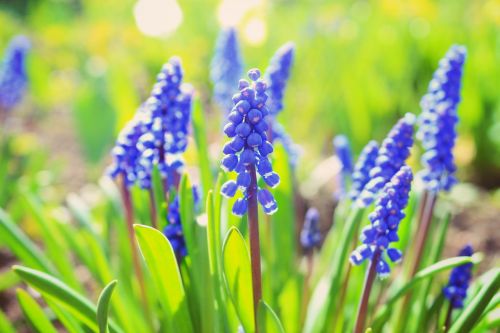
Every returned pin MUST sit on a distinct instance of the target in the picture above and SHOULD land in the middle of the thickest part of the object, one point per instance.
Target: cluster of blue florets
(310, 236)
(456, 290)
(13, 76)
(392, 155)
(277, 75)
(385, 220)
(158, 134)
(249, 146)
(227, 67)
(173, 230)
(343, 152)
(361, 174)
(438, 121)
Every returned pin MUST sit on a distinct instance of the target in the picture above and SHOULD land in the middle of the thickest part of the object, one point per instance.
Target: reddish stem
(365, 297)
(447, 322)
(429, 201)
(253, 228)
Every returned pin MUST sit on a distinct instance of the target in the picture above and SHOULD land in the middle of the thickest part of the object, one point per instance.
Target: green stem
(447, 322)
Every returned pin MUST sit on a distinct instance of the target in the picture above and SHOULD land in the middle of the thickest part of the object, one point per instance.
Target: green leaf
(70, 323)
(200, 137)
(78, 305)
(238, 274)
(468, 318)
(267, 320)
(24, 249)
(162, 264)
(5, 325)
(34, 313)
(103, 306)
(420, 276)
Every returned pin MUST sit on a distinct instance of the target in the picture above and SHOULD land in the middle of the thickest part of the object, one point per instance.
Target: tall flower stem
(426, 213)
(153, 209)
(447, 321)
(365, 296)
(253, 228)
(129, 217)
(306, 288)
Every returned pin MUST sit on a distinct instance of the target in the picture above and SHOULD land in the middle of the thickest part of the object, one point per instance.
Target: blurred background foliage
(359, 66)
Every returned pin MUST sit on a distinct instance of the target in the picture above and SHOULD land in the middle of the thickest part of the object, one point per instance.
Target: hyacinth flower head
(362, 168)
(277, 75)
(385, 219)
(165, 119)
(456, 290)
(438, 121)
(13, 75)
(343, 151)
(310, 236)
(249, 147)
(125, 152)
(226, 68)
(392, 154)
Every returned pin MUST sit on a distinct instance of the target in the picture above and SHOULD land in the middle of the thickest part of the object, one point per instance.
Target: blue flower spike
(226, 68)
(310, 236)
(385, 219)
(277, 74)
(362, 168)
(438, 120)
(173, 230)
(392, 155)
(13, 75)
(343, 152)
(456, 290)
(165, 121)
(249, 146)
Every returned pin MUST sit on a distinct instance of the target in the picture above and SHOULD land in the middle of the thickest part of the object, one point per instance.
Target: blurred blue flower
(13, 75)
(249, 146)
(456, 290)
(385, 220)
(277, 75)
(165, 119)
(226, 68)
(125, 152)
(173, 230)
(438, 121)
(310, 236)
(393, 152)
(361, 173)
(343, 151)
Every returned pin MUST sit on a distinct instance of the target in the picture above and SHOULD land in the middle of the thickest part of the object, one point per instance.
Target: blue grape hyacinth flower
(343, 151)
(438, 121)
(310, 236)
(385, 219)
(456, 290)
(13, 75)
(362, 168)
(125, 152)
(165, 119)
(392, 155)
(173, 230)
(226, 67)
(249, 147)
(277, 75)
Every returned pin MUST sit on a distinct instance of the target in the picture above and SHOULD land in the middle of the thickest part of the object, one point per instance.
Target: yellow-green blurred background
(359, 65)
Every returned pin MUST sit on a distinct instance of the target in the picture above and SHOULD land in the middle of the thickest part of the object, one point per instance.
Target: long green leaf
(21, 245)
(238, 274)
(78, 305)
(267, 320)
(70, 323)
(103, 306)
(469, 317)
(5, 324)
(200, 137)
(34, 313)
(162, 264)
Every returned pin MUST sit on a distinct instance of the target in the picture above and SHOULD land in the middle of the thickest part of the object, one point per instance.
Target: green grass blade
(200, 137)
(70, 323)
(78, 305)
(24, 249)
(469, 317)
(267, 320)
(238, 276)
(34, 313)
(162, 264)
(103, 306)
(5, 324)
